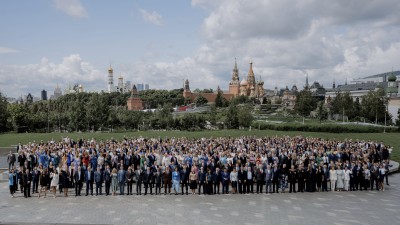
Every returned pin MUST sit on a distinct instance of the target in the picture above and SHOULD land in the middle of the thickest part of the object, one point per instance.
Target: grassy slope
(393, 139)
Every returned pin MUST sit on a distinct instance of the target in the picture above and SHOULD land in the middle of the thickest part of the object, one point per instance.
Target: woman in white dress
(333, 178)
(54, 181)
(346, 173)
(340, 179)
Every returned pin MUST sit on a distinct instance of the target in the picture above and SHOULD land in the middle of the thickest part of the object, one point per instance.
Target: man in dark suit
(35, 180)
(98, 178)
(249, 180)
(147, 176)
(325, 172)
(167, 177)
(292, 177)
(202, 179)
(301, 178)
(225, 181)
(184, 179)
(79, 177)
(242, 180)
(107, 179)
(139, 179)
(89, 179)
(260, 177)
(121, 180)
(216, 177)
(27, 179)
(157, 180)
(275, 179)
(269, 174)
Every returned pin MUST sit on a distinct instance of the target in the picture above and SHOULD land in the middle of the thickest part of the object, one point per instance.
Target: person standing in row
(176, 180)
(44, 180)
(11, 181)
(121, 180)
(193, 181)
(129, 180)
(89, 179)
(184, 179)
(114, 181)
(27, 179)
(147, 177)
(79, 178)
(157, 181)
(139, 180)
(233, 176)
(98, 179)
(107, 179)
(167, 181)
(54, 182)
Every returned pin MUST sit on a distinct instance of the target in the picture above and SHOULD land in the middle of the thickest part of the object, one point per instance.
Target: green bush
(330, 128)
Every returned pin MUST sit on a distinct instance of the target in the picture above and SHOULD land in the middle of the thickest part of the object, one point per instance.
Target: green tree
(220, 101)
(4, 114)
(343, 104)
(305, 103)
(398, 120)
(373, 106)
(245, 118)
(321, 111)
(200, 100)
(232, 118)
(19, 114)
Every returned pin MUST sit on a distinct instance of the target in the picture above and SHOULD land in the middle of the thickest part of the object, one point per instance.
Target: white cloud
(73, 8)
(32, 78)
(152, 17)
(327, 39)
(5, 50)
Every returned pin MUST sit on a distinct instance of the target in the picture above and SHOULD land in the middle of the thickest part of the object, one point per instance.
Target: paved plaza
(361, 207)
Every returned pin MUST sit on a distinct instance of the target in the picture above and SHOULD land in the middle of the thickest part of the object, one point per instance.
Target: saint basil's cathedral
(246, 87)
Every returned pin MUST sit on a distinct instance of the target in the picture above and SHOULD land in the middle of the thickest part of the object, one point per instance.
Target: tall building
(110, 79)
(140, 87)
(57, 92)
(120, 87)
(44, 95)
(146, 87)
(135, 103)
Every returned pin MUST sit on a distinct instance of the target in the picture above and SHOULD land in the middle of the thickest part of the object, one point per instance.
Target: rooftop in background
(382, 77)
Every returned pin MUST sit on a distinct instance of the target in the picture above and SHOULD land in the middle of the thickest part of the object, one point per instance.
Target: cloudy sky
(45, 42)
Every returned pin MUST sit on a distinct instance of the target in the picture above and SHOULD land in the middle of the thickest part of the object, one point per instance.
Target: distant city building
(140, 87)
(247, 87)
(57, 92)
(29, 98)
(146, 87)
(44, 95)
(135, 103)
(121, 86)
(110, 80)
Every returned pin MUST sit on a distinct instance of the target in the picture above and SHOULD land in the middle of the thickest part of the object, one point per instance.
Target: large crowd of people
(205, 166)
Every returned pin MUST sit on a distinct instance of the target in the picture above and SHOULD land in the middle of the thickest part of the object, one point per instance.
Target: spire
(307, 85)
(345, 83)
(134, 92)
(235, 74)
(334, 85)
(250, 76)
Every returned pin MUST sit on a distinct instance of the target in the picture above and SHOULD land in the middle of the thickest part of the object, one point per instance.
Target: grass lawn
(392, 139)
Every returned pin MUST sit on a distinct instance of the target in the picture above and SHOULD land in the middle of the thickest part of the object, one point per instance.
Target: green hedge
(330, 128)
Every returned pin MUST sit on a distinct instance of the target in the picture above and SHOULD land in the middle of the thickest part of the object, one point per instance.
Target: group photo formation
(205, 166)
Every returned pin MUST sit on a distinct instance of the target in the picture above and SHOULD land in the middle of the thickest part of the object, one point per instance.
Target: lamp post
(386, 109)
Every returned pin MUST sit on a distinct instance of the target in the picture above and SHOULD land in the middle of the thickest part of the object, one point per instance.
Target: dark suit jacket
(91, 176)
(77, 178)
(147, 177)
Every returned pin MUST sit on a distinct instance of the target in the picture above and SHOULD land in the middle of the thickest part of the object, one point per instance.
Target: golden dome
(110, 70)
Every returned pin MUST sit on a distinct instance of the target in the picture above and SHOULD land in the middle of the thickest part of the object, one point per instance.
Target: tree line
(108, 111)
(370, 108)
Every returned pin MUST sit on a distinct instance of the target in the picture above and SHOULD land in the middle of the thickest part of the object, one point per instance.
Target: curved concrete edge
(393, 166)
